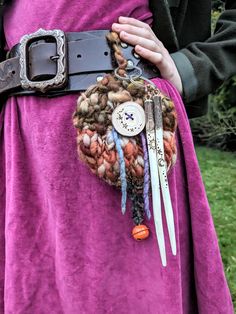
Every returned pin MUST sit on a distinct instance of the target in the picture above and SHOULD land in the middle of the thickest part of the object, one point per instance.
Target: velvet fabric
(65, 246)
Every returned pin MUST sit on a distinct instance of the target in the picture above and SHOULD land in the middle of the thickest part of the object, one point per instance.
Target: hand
(147, 45)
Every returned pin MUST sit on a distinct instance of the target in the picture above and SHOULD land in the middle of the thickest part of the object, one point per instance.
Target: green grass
(219, 174)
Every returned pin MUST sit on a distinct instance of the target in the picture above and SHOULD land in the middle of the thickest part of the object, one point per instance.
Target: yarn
(120, 161)
(96, 145)
(146, 182)
(122, 170)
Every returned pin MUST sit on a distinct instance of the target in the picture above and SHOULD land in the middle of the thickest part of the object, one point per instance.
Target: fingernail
(116, 26)
(122, 18)
(123, 34)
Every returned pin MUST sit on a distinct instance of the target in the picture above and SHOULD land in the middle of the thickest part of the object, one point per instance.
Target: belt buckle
(61, 76)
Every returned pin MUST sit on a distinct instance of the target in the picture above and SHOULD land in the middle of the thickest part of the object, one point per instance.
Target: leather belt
(52, 63)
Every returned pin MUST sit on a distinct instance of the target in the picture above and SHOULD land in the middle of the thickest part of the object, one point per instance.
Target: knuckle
(159, 58)
(132, 20)
(122, 34)
(149, 53)
(146, 33)
(153, 45)
(166, 51)
(139, 41)
(127, 28)
(160, 43)
(146, 26)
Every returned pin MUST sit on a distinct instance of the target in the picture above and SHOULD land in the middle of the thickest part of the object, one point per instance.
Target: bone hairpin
(156, 197)
(163, 173)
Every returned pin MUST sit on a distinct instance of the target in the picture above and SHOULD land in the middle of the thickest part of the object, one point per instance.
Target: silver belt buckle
(61, 76)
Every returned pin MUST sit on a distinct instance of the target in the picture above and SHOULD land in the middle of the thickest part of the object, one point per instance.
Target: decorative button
(128, 118)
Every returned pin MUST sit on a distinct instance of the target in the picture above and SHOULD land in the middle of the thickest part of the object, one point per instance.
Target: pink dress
(65, 246)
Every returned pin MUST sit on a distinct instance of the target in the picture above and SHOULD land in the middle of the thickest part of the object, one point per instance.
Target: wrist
(175, 79)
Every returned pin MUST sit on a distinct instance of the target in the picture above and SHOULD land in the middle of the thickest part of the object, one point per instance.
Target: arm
(204, 66)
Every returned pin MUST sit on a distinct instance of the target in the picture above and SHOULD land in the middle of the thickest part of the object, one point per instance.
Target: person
(64, 243)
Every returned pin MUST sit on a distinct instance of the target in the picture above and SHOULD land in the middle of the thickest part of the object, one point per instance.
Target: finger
(154, 57)
(132, 21)
(137, 40)
(134, 30)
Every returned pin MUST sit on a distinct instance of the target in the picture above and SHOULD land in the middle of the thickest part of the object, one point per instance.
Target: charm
(163, 173)
(128, 118)
(140, 232)
(110, 118)
(155, 184)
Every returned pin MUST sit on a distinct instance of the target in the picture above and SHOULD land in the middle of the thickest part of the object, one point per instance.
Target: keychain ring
(129, 77)
(133, 77)
(125, 78)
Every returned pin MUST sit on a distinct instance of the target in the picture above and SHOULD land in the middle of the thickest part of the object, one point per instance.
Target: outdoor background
(215, 142)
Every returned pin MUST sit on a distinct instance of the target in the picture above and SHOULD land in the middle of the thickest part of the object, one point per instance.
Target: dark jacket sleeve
(204, 66)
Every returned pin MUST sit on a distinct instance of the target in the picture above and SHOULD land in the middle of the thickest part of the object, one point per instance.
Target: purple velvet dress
(65, 246)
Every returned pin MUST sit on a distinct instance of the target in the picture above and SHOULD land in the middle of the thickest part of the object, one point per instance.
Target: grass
(219, 174)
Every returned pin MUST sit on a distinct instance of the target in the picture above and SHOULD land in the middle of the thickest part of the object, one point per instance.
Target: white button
(128, 118)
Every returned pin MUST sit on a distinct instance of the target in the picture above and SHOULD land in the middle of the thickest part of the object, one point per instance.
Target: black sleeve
(203, 66)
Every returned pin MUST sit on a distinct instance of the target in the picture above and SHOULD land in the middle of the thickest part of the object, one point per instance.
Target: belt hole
(106, 53)
(135, 54)
(79, 56)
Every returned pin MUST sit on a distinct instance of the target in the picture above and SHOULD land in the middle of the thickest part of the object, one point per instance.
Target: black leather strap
(89, 57)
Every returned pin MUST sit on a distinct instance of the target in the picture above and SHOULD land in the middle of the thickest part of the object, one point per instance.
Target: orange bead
(140, 232)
